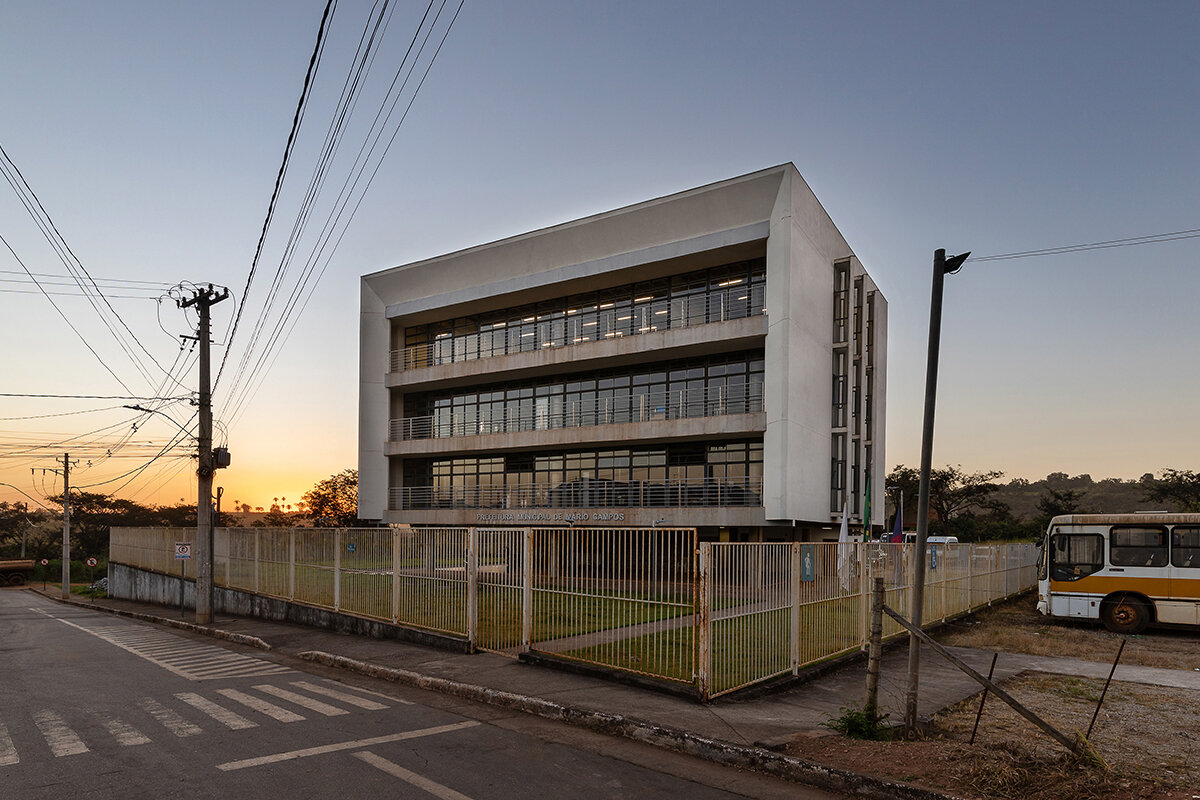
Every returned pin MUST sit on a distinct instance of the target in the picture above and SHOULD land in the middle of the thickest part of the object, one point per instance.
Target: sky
(152, 134)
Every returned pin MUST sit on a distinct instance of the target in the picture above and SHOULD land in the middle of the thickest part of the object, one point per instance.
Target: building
(715, 358)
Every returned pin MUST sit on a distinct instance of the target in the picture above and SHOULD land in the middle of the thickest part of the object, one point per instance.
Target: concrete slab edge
(680, 741)
(216, 633)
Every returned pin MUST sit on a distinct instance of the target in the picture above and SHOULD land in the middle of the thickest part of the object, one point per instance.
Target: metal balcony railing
(564, 331)
(532, 415)
(584, 493)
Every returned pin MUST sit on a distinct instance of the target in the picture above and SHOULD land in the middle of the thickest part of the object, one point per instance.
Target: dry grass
(1017, 627)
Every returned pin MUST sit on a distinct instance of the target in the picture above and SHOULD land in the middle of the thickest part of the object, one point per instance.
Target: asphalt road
(97, 706)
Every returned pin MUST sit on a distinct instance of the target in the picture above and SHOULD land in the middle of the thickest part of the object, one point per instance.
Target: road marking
(301, 700)
(334, 748)
(125, 734)
(420, 781)
(354, 700)
(168, 718)
(262, 706)
(190, 660)
(62, 740)
(221, 714)
(387, 697)
(8, 752)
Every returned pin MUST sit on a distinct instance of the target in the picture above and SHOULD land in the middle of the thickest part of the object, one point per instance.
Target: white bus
(1127, 570)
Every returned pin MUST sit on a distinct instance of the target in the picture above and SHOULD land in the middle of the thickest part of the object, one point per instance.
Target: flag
(898, 530)
(866, 517)
(845, 551)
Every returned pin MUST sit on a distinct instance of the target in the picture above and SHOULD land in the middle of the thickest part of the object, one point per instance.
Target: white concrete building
(715, 358)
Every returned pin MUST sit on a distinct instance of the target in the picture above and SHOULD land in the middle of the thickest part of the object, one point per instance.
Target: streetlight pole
(942, 267)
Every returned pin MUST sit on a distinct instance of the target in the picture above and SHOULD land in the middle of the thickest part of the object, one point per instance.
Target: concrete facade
(820, 324)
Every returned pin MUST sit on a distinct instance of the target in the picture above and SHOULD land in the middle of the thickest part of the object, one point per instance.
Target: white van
(911, 538)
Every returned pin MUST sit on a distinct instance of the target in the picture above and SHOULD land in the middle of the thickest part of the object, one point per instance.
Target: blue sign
(808, 563)
(349, 547)
(933, 551)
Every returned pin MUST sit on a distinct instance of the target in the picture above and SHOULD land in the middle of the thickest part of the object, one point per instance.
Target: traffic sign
(91, 562)
(183, 550)
(45, 561)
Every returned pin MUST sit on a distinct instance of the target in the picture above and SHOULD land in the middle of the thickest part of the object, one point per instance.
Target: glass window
(1075, 555)
(1185, 546)
(1138, 546)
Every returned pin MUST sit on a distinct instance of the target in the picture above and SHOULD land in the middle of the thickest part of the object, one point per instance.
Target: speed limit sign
(91, 562)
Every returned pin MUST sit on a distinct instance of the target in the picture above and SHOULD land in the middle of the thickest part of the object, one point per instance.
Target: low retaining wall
(144, 586)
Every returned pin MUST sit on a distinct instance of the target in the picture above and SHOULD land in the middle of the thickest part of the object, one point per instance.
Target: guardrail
(584, 493)
(681, 404)
(655, 602)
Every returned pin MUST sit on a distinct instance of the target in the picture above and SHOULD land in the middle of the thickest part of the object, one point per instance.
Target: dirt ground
(1148, 736)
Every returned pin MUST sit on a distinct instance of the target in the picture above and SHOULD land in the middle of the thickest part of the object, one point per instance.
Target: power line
(297, 117)
(91, 396)
(62, 413)
(1132, 241)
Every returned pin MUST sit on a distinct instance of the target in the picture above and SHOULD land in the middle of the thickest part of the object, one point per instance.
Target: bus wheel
(1126, 615)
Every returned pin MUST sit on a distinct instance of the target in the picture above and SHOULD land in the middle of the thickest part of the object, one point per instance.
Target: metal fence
(655, 602)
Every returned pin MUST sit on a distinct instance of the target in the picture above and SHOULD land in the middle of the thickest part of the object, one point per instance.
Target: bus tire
(1125, 615)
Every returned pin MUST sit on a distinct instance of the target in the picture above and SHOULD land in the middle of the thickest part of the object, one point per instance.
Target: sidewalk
(766, 721)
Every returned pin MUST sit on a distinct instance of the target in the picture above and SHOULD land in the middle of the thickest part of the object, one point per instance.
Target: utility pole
(66, 543)
(203, 300)
(942, 267)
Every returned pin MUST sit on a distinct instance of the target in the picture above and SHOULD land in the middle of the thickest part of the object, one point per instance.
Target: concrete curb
(216, 633)
(680, 741)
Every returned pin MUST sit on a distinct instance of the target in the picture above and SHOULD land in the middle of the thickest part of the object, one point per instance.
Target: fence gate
(497, 589)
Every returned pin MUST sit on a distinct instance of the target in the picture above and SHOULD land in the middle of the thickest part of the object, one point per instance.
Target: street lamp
(942, 267)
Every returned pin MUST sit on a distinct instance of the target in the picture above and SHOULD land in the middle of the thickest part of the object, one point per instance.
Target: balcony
(566, 330)
(540, 414)
(584, 493)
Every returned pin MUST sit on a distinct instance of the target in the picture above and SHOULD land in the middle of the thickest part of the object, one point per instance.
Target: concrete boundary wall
(146, 586)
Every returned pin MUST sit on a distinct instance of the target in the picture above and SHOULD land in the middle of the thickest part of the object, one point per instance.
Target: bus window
(1138, 547)
(1185, 547)
(1074, 555)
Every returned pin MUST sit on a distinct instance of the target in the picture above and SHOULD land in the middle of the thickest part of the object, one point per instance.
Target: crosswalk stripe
(62, 740)
(353, 700)
(262, 706)
(301, 700)
(221, 714)
(168, 718)
(8, 753)
(408, 776)
(125, 734)
(237, 671)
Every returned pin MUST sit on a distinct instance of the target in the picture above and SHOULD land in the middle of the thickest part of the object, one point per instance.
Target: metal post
(794, 626)
(395, 576)
(337, 570)
(940, 268)
(703, 623)
(472, 587)
(527, 591)
(292, 564)
(66, 542)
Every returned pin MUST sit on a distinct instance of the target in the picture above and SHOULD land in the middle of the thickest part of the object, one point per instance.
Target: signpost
(45, 563)
(183, 553)
(91, 564)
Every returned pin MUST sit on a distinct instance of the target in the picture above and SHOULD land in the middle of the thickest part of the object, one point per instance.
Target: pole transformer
(204, 299)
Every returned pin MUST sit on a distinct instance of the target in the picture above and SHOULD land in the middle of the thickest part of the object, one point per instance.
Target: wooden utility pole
(203, 300)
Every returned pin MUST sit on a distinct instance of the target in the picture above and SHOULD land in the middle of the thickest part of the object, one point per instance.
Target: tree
(334, 501)
(952, 493)
(1059, 501)
(1177, 487)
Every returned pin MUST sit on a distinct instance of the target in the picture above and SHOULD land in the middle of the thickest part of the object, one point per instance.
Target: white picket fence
(656, 602)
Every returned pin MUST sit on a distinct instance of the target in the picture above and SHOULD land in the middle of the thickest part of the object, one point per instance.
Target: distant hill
(1109, 495)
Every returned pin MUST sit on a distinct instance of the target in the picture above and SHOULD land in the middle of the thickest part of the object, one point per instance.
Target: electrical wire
(1132, 241)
